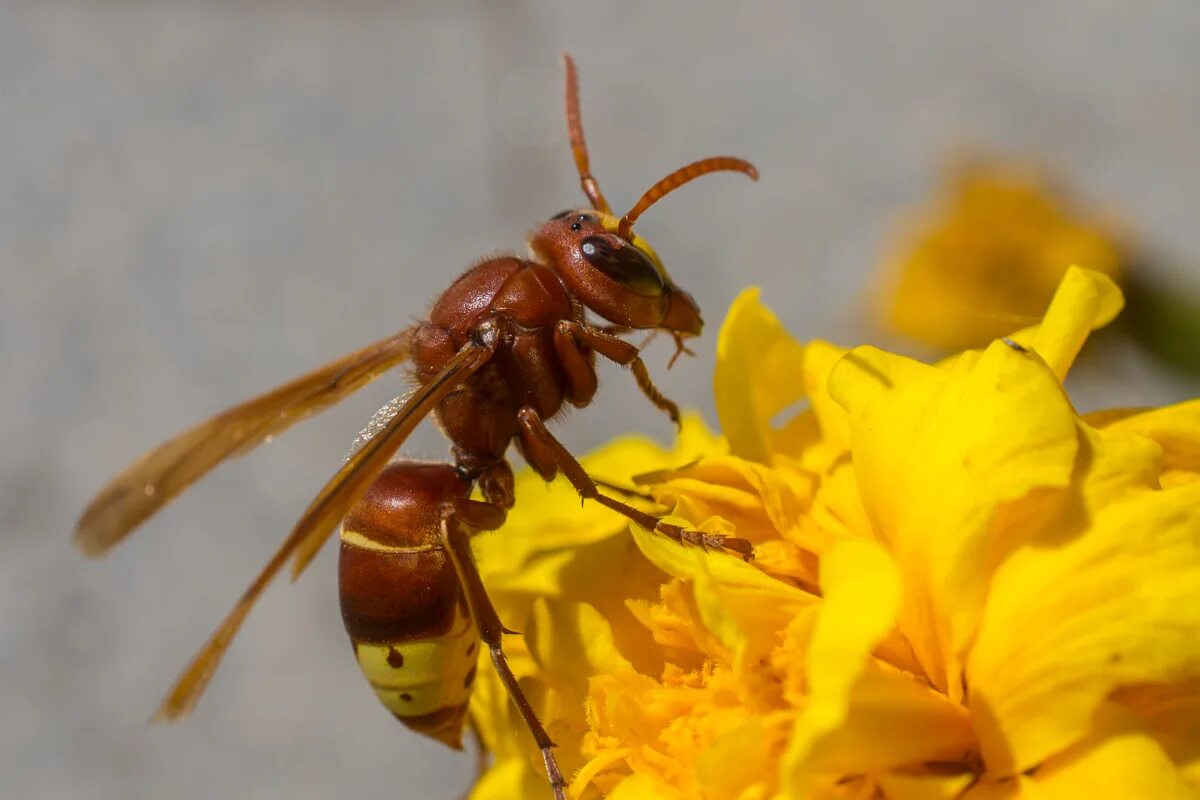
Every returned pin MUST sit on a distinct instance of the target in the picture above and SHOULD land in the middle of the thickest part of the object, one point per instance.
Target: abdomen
(402, 603)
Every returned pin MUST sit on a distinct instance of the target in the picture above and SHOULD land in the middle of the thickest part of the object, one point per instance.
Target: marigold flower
(986, 255)
(962, 587)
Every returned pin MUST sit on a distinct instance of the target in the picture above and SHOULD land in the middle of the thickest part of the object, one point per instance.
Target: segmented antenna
(591, 187)
(678, 178)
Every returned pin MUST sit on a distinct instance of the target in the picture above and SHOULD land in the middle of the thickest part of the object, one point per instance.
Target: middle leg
(548, 457)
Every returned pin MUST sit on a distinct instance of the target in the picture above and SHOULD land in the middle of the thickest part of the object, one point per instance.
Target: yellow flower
(985, 257)
(962, 588)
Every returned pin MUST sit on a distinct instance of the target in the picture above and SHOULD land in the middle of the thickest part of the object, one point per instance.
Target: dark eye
(626, 265)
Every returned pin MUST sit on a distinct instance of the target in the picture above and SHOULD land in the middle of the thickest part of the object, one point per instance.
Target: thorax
(527, 299)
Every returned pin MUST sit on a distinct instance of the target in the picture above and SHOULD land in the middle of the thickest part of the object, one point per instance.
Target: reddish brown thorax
(580, 264)
(525, 300)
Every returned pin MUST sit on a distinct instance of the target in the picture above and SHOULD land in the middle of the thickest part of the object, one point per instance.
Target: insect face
(620, 279)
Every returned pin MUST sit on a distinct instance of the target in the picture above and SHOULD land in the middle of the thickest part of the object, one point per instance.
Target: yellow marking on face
(611, 223)
(356, 539)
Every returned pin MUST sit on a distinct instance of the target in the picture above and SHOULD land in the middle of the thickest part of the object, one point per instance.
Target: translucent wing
(321, 517)
(378, 422)
(166, 471)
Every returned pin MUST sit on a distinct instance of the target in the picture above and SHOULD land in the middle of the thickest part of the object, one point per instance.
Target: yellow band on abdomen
(424, 681)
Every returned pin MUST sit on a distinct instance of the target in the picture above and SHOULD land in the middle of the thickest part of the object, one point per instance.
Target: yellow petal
(554, 545)
(643, 787)
(571, 641)
(738, 603)
(695, 563)
(1085, 300)
(760, 502)
(938, 453)
(757, 375)
(892, 721)
(1068, 621)
(493, 714)
(1175, 428)
(1171, 713)
(549, 518)
(862, 594)
(510, 778)
(988, 788)
(819, 360)
(745, 747)
(517, 769)
(581, 784)
(836, 513)
(923, 787)
(1116, 466)
(1118, 761)
(990, 256)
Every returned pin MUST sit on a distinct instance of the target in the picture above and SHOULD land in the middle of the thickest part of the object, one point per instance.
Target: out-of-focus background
(198, 201)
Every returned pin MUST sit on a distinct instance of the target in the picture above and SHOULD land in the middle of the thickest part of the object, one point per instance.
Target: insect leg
(491, 630)
(612, 487)
(548, 456)
(577, 366)
(571, 334)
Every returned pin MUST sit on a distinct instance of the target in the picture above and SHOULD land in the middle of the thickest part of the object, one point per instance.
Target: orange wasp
(503, 349)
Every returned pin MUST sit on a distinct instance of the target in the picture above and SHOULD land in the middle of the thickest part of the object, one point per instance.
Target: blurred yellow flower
(962, 588)
(985, 257)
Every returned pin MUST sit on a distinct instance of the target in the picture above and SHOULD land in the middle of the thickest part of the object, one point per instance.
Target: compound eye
(626, 265)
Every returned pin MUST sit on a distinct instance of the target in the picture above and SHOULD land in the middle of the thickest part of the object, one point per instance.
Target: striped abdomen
(402, 603)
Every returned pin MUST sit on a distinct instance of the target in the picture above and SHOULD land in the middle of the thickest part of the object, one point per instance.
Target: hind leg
(491, 631)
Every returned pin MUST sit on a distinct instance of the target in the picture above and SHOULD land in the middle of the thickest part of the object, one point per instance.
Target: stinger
(678, 178)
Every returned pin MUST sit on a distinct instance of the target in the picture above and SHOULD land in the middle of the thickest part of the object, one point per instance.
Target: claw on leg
(707, 541)
(548, 457)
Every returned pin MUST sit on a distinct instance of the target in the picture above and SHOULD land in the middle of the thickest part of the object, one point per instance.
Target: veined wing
(166, 471)
(321, 517)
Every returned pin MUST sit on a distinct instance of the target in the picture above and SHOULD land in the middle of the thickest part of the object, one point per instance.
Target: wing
(321, 517)
(162, 474)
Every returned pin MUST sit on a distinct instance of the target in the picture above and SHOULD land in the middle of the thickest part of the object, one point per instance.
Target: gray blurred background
(200, 200)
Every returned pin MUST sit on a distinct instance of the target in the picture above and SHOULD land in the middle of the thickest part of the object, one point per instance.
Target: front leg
(548, 457)
(569, 340)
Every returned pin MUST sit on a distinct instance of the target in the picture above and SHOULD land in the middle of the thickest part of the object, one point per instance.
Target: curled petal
(1176, 429)
(1117, 760)
(938, 455)
(898, 786)
(1084, 301)
(570, 641)
(738, 603)
(551, 539)
(756, 376)
(862, 596)
(1068, 621)
(819, 360)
